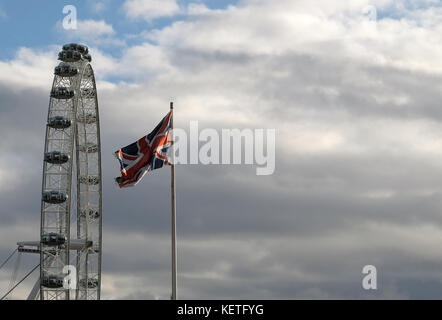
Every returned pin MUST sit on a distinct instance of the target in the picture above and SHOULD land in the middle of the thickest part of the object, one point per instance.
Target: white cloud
(94, 28)
(144, 60)
(99, 6)
(197, 8)
(104, 64)
(151, 9)
(97, 32)
(29, 68)
(265, 27)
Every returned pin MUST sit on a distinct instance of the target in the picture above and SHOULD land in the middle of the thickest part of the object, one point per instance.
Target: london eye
(71, 185)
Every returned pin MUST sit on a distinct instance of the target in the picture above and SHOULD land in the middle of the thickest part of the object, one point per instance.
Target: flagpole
(174, 256)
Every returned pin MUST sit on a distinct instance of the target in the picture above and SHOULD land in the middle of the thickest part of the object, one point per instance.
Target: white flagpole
(174, 262)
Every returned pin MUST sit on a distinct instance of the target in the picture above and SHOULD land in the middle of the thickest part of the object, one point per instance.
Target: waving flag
(146, 154)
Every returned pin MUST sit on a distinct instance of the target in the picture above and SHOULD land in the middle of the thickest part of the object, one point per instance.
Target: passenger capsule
(88, 148)
(56, 157)
(90, 213)
(62, 93)
(54, 197)
(65, 70)
(59, 122)
(87, 57)
(52, 281)
(87, 118)
(53, 239)
(90, 180)
(88, 283)
(68, 46)
(76, 47)
(85, 92)
(70, 56)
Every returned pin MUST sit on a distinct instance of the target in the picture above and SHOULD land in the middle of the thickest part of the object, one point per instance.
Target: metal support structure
(35, 291)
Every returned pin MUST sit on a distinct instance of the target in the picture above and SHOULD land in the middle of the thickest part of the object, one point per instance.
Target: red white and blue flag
(146, 154)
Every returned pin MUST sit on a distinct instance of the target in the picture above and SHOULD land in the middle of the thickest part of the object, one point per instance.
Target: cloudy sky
(353, 89)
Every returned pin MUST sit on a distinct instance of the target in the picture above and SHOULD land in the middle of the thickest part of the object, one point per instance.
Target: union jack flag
(146, 154)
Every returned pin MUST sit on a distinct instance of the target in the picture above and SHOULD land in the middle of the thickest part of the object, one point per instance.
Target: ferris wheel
(72, 132)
